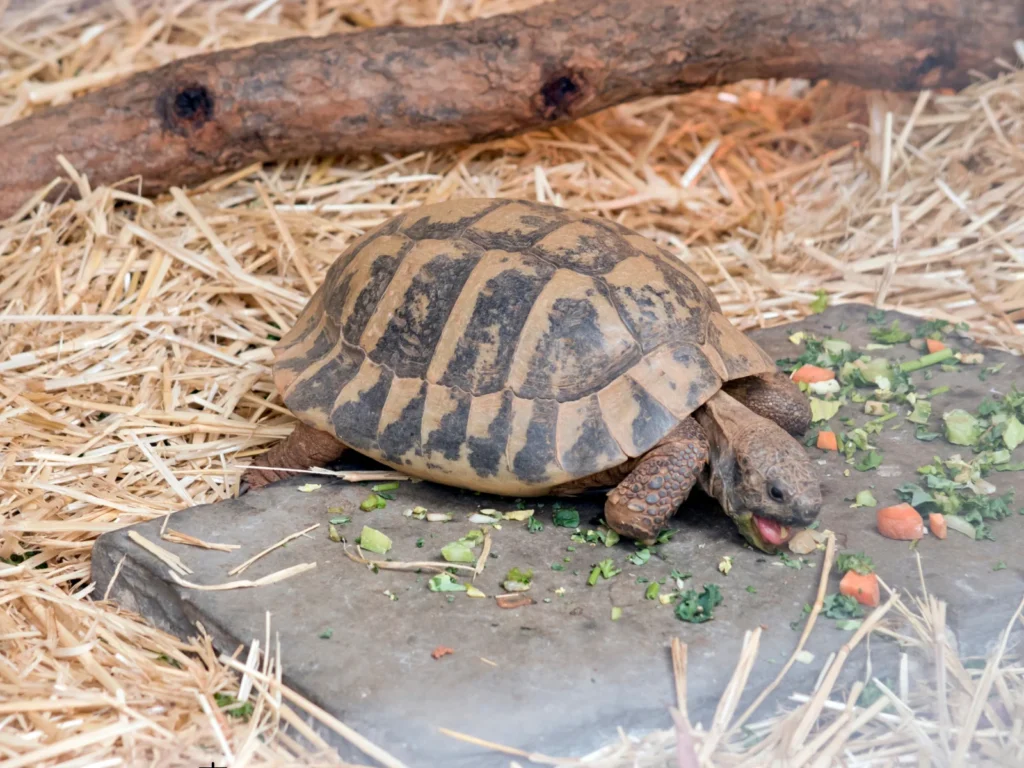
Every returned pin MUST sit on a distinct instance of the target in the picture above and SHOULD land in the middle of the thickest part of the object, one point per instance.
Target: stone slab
(560, 676)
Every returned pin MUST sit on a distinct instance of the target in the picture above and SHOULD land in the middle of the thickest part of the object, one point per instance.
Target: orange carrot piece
(901, 522)
(811, 374)
(863, 588)
(827, 441)
(934, 345)
(937, 525)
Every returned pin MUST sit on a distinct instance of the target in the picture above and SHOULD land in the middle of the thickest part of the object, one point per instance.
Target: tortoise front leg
(775, 397)
(642, 503)
(305, 447)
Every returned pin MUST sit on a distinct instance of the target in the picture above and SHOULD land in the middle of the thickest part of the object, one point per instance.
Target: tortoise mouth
(766, 534)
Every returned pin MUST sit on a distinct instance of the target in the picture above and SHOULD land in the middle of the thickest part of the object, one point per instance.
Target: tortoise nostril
(776, 493)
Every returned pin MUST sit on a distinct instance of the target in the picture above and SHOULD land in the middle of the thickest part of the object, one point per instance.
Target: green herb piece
(233, 707)
(876, 316)
(565, 517)
(790, 562)
(373, 540)
(444, 582)
(651, 593)
(926, 360)
(340, 520)
(595, 574)
(871, 461)
(820, 303)
(1000, 566)
(752, 590)
(327, 634)
(842, 607)
(557, 567)
(419, 543)
(864, 499)
(849, 625)
(698, 608)
(616, 613)
(605, 569)
(372, 502)
(891, 335)
(640, 557)
(855, 561)
(678, 576)
(533, 525)
(520, 576)
(961, 427)
(664, 537)
(385, 487)
(458, 552)
(921, 433)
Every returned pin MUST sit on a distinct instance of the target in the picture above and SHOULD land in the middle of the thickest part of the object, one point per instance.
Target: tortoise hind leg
(775, 397)
(305, 447)
(662, 479)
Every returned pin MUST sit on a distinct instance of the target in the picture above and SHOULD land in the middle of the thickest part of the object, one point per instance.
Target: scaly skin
(775, 397)
(641, 504)
(305, 447)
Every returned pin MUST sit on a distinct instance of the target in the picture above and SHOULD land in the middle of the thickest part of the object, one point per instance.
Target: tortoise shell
(507, 346)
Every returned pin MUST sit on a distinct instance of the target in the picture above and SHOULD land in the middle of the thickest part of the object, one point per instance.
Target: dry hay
(135, 335)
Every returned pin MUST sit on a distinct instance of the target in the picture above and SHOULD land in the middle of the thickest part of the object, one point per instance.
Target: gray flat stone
(563, 676)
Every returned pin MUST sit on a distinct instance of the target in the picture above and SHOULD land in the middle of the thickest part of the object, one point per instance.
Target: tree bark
(405, 89)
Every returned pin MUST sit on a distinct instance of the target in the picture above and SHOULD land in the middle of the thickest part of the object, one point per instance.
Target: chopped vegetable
(1013, 433)
(823, 410)
(961, 427)
(934, 345)
(811, 374)
(842, 607)
(520, 576)
(565, 517)
(332, 532)
(309, 487)
(374, 541)
(827, 441)
(926, 360)
(862, 587)
(616, 613)
(439, 517)
(533, 525)
(327, 634)
(960, 525)
(458, 552)
(891, 335)
(441, 651)
(922, 410)
(725, 565)
(518, 514)
(472, 591)
(871, 461)
(652, 590)
(937, 524)
(604, 570)
(698, 608)
(864, 499)
(513, 601)
(444, 582)
(1000, 566)
(640, 556)
(372, 502)
(900, 522)
(804, 542)
(857, 562)
(820, 303)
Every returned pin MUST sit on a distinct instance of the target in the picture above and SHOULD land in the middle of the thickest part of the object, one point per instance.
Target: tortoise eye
(776, 493)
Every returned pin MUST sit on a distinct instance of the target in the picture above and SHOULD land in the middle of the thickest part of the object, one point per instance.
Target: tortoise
(521, 349)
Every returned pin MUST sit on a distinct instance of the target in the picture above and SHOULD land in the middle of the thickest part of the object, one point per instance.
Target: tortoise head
(759, 474)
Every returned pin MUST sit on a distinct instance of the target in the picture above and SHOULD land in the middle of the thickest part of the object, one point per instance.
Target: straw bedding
(135, 343)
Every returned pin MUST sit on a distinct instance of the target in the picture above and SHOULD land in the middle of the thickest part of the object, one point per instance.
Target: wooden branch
(404, 89)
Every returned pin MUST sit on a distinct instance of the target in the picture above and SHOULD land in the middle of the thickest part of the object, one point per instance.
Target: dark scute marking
(515, 240)
(532, 460)
(706, 381)
(594, 448)
(185, 108)
(498, 317)
(574, 334)
(321, 346)
(652, 421)
(407, 344)
(355, 422)
(486, 453)
(321, 389)
(450, 434)
(650, 314)
(381, 272)
(426, 228)
(560, 93)
(403, 435)
(594, 254)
